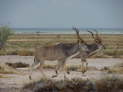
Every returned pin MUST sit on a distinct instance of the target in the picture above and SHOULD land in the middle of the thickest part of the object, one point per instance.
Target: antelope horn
(78, 36)
(97, 34)
(97, 38)
(91, 34)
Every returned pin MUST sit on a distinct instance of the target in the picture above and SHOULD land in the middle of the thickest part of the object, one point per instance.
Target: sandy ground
(19, 80)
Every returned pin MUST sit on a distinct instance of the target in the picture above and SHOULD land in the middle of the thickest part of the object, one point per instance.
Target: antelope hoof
(56, 72)
(30, 77)
(68, 72)
(83, 71)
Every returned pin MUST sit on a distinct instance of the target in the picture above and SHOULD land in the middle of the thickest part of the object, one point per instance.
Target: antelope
(62, 51)
(87, 50)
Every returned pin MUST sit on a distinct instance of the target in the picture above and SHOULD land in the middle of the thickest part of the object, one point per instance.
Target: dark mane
(67, 46)
(92, 47)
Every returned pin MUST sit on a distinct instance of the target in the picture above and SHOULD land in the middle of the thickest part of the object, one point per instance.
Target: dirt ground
(22, 78)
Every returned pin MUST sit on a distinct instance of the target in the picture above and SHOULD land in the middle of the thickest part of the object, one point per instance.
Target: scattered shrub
(106, 84)
(5, 32)
(17, 65)
(110, 84)
(5, 69)
(73, 85)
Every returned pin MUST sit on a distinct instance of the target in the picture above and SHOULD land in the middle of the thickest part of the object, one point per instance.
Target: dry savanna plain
(20, 43)
(105, 70)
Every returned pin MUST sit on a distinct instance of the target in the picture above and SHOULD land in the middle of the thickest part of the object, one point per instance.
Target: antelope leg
(83, 67)
(41, 70)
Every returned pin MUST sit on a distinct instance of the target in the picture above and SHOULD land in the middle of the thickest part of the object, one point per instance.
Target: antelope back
(54, 52)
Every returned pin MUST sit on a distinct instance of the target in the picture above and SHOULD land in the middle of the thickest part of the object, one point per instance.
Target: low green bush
(5, 32)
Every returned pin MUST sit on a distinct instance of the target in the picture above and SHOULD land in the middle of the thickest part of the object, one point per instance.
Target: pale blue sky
(62, 13)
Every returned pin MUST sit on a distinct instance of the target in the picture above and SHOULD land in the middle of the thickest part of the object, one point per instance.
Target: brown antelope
(62, 51)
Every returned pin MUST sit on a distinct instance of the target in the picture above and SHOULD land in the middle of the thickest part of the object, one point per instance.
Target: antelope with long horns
(62, 51)
(87, 50)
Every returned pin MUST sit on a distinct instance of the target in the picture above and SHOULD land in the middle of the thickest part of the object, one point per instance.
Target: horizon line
(63, 28)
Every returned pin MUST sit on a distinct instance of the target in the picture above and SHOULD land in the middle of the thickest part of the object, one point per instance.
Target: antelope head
(97, 38)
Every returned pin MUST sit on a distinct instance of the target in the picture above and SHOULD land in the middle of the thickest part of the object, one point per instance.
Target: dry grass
(114, 70)
(24, 44)
(1, 76)
(117, 69)
(25, 53)
(5, 69)
(69, 67)
(47, 66)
